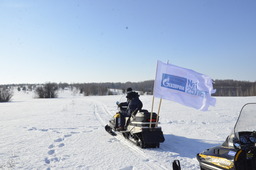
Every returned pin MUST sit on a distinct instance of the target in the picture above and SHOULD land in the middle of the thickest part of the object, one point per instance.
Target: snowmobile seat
(144, 116)
(142, 119)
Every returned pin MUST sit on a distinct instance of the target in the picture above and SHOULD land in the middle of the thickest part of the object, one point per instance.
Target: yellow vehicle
(238, 152)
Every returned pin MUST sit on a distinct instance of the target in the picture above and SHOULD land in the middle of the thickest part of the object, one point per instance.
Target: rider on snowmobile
(133, 105)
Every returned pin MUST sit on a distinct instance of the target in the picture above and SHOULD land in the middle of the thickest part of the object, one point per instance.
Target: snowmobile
(140, 128)
(238, 152)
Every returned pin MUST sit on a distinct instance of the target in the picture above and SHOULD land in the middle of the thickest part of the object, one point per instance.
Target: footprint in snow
(33, 128)
(55, 159)
(46, 160)
(43, 130)
(51, 152)
(49, 160)
(59, 140)
(146, 160)
(66, 136)
(51, 146)
(61, 145)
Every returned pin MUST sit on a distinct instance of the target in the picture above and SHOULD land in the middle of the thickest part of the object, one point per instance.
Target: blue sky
(77, 41)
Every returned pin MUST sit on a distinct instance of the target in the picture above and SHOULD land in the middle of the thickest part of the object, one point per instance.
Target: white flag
(184, 86)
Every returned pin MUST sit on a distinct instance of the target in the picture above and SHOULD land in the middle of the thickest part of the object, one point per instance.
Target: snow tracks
(144, 155)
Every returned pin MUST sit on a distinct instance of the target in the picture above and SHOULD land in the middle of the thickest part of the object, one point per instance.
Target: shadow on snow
(185, 147)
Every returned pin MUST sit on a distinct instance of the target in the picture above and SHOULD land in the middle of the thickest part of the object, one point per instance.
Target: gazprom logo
(182, 84)
(174, 82)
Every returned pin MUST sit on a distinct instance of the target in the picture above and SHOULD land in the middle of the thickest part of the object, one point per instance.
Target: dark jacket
(134, 103)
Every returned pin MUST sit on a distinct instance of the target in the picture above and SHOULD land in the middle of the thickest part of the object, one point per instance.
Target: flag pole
(151, 113)
(158, 112)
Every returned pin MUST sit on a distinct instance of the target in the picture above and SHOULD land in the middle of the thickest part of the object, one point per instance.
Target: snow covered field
(68, 133)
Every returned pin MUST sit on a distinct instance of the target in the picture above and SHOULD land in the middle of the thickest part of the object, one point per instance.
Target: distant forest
(234, 88)
(223, 87)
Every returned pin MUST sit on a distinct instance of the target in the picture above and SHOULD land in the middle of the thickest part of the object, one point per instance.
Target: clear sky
(78, 41)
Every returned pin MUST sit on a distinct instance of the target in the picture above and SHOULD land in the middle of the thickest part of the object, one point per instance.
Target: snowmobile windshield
(246, 121)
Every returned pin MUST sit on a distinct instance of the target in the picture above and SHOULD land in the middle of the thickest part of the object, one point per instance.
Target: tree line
(223, 87)
(104, 88)
(49, 90)
(234, 88)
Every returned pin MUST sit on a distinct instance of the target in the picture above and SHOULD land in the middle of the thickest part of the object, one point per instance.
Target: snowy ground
(68, 133)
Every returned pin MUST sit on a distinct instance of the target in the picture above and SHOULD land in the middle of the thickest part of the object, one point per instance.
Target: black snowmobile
(140, 128)
(238, 152)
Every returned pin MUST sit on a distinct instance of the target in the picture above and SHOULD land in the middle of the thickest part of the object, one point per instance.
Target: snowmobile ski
(109, 130)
